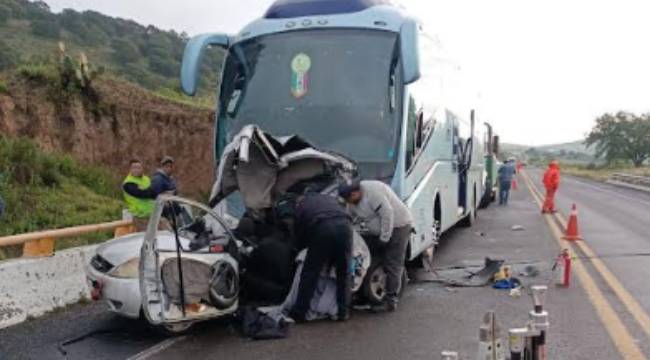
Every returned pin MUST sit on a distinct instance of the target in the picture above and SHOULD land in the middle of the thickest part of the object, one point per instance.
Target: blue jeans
(504, 192)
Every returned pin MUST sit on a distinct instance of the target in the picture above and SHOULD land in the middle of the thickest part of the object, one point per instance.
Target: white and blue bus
(361, 78)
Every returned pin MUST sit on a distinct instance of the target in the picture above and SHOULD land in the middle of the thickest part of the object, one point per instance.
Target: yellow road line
(632, 305)
(619, 334)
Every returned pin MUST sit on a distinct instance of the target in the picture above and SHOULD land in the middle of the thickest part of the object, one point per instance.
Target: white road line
(157, 348)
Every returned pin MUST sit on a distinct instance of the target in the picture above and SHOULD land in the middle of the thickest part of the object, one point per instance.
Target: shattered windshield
(331, 87)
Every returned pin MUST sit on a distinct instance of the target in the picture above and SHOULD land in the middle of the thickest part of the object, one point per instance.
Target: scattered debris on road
(517, 228)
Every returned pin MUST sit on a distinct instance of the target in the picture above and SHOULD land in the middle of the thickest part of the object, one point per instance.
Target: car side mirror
(495, 144)
(410, 50)
(193, 55)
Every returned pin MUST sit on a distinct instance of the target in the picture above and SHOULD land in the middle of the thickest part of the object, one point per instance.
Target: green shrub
(41, 73)
(47, 191)
(8, 56)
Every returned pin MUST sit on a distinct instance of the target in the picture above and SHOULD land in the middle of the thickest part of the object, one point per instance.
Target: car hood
(261, 166)
(123, 249)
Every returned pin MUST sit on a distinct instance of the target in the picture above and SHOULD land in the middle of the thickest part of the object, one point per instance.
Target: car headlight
(127, 270)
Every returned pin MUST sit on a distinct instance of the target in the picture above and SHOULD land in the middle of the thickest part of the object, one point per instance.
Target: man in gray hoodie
(386, 216)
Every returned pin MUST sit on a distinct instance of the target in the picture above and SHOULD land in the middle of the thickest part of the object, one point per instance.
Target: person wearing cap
(138, 195)
(162, 180)
(505, 174)
(386, 216)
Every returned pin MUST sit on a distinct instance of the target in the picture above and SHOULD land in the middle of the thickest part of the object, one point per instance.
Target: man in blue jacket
(506, 173)
(162, 180)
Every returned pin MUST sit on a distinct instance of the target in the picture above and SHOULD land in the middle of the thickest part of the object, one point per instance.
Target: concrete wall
(33, 287)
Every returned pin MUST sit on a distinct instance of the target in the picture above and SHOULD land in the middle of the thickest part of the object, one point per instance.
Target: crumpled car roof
(262, 166)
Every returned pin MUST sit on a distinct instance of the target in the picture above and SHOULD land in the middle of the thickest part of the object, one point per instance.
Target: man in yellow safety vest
(138, 195)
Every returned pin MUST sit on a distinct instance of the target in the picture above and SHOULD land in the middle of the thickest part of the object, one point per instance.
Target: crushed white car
(223, 264)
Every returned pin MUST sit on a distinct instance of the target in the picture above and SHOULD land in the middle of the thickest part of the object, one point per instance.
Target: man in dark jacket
(324, 227)
(162, 180)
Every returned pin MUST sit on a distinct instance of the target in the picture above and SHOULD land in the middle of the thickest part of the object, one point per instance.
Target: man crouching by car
(324, 227)
(385, 215)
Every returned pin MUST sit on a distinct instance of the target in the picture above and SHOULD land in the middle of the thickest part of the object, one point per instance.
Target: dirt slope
(126, 122)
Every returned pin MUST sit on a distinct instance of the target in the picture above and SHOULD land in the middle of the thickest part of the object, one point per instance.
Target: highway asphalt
(431, 317)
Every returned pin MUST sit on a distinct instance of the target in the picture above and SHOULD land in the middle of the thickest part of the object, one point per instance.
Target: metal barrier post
(41, 243)
(39, 248)
(127, 229)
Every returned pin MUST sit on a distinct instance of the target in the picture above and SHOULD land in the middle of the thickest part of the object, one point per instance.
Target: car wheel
(224, 285)
(374, 284)
(176, 329)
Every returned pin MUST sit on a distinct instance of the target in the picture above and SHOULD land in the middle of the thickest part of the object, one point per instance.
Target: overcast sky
(545, 69)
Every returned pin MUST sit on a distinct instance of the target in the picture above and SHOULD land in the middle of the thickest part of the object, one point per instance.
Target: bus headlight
(127, 270)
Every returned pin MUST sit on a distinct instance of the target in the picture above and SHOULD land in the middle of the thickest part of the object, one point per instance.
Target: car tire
(224, 285)
(176, 329)
(374, 284)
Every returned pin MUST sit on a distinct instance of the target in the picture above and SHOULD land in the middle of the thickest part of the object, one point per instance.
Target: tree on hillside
(94, 36)
(125, 51)
(38, 10)
(72, 21)
(17, 11)
(623, 136)
(5, 14)
(46, 28)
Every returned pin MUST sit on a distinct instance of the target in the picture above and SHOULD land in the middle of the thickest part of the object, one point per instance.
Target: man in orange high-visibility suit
(551, 183)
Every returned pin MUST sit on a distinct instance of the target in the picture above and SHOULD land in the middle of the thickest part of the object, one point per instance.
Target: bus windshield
(334, 88)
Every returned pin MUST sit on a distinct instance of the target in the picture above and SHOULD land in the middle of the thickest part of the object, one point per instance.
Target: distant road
(615, 223)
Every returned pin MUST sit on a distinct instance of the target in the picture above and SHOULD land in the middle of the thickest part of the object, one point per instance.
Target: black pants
(329, 243)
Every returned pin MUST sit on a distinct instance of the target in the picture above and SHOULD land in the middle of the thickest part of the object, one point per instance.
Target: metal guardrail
(629, 180)
(39, 244)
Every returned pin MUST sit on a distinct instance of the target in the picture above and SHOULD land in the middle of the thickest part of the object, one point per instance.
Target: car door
(188, 267)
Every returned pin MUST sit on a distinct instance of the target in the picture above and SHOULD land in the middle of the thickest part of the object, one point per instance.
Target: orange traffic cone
(515, 186)
(572, 227)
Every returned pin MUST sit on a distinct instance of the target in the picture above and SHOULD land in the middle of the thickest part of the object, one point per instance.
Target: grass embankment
(48, 191)
(603, 173)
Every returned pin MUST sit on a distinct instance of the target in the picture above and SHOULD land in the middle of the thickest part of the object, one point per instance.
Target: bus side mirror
(192, 59)
(495, 144)
(410, 50)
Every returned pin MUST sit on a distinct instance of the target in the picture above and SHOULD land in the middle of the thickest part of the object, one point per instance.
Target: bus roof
(375, 15)
(283, 9)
